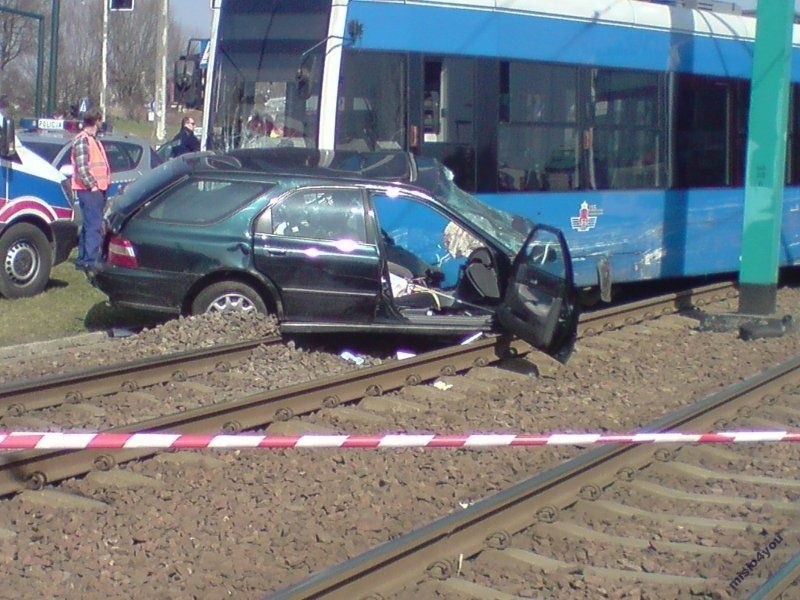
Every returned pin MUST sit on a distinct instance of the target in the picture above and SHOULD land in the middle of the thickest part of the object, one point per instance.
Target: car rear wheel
(228, 296)
(27, 260)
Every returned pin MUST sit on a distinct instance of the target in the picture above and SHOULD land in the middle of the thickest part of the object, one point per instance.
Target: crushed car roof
(382, 166)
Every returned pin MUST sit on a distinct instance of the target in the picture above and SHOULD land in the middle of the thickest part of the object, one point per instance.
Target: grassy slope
(147, 130)
(68, 306)
(143, 130)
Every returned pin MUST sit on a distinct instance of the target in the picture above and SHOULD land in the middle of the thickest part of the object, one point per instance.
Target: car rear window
(201, 201)
(122, 156)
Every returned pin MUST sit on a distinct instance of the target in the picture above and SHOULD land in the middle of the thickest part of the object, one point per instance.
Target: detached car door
(539, 303)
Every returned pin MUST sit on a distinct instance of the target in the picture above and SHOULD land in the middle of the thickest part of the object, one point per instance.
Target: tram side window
(624, 147)
(370, 114)
(538, 132)
(449, 98)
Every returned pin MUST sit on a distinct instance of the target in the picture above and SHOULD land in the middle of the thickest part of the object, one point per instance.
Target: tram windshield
(261, 46)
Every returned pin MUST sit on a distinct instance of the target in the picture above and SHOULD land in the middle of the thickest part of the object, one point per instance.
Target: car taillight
(121, 252)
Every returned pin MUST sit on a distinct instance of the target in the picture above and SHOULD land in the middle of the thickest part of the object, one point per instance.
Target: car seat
(481, 273)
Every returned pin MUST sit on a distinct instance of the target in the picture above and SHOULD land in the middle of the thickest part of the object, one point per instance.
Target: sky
(194, 15)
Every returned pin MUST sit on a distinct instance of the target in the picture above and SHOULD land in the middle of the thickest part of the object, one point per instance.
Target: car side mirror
(303, 80)
(66, 170)
(7, 138)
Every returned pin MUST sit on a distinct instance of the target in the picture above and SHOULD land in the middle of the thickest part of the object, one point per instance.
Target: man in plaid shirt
(91, 176)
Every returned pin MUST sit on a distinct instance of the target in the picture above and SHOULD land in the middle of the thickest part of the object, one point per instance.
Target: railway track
(35, 469)
(727, 519)
(382, 495)
(20, 397)
(630, 313)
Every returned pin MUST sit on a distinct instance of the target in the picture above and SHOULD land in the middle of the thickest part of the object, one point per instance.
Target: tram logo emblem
(587, 217)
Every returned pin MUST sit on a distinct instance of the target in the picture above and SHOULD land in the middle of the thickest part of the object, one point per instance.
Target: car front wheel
(228, 296)
(27, 260)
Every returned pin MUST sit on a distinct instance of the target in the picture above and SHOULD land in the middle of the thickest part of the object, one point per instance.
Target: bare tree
(18, 48)
(131, 54)
(17, 33)
(79, 60)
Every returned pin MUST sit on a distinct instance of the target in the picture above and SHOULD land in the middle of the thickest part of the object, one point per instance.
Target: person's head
(256, 124)
(188, 122)
(92, 118)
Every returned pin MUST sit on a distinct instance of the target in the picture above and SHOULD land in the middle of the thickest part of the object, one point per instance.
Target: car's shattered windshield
(506, 230)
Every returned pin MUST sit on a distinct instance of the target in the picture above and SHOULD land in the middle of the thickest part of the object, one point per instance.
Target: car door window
(65, 159)
(322, 214)
(545, 254)
(420, 238)
(155, 159)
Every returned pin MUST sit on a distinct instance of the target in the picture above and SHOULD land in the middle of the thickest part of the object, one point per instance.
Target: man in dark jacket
(185, 140)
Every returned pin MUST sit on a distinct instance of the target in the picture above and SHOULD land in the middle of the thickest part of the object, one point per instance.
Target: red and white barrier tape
(21, 440)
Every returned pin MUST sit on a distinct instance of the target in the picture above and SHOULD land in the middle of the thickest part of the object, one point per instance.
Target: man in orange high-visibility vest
(91, 176)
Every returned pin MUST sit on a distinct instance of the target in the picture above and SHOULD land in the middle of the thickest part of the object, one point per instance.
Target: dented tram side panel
(37, 220)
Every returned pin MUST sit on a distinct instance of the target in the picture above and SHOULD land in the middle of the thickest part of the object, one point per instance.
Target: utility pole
(766, 157)
(764, 177)
(104, 62)
(55, 17)
(161, 73)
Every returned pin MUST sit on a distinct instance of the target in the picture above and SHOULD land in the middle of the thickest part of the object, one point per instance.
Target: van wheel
(228, 296)
(27, 259)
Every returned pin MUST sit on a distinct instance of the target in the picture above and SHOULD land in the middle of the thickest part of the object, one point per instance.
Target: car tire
(226, 296)
(27, 260)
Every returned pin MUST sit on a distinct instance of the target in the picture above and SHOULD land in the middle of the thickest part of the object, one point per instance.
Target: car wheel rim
(22, 263)
(231, 303)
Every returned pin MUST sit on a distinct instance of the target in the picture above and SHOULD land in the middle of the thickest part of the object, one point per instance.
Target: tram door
(711, 131)
(448, 116)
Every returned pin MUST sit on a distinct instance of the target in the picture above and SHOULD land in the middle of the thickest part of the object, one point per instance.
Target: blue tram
(623, 123)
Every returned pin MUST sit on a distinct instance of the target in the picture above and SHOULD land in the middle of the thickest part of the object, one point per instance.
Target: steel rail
(774, 587)
(492, 521)
(34, 469)
(19, 397)
(595, 322)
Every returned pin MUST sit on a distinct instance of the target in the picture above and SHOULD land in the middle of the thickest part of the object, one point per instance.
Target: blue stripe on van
(26, 184)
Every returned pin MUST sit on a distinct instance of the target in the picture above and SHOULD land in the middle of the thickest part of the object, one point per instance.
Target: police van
(37, 219)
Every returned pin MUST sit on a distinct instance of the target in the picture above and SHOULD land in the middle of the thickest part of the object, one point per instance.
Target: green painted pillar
(766, 157)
